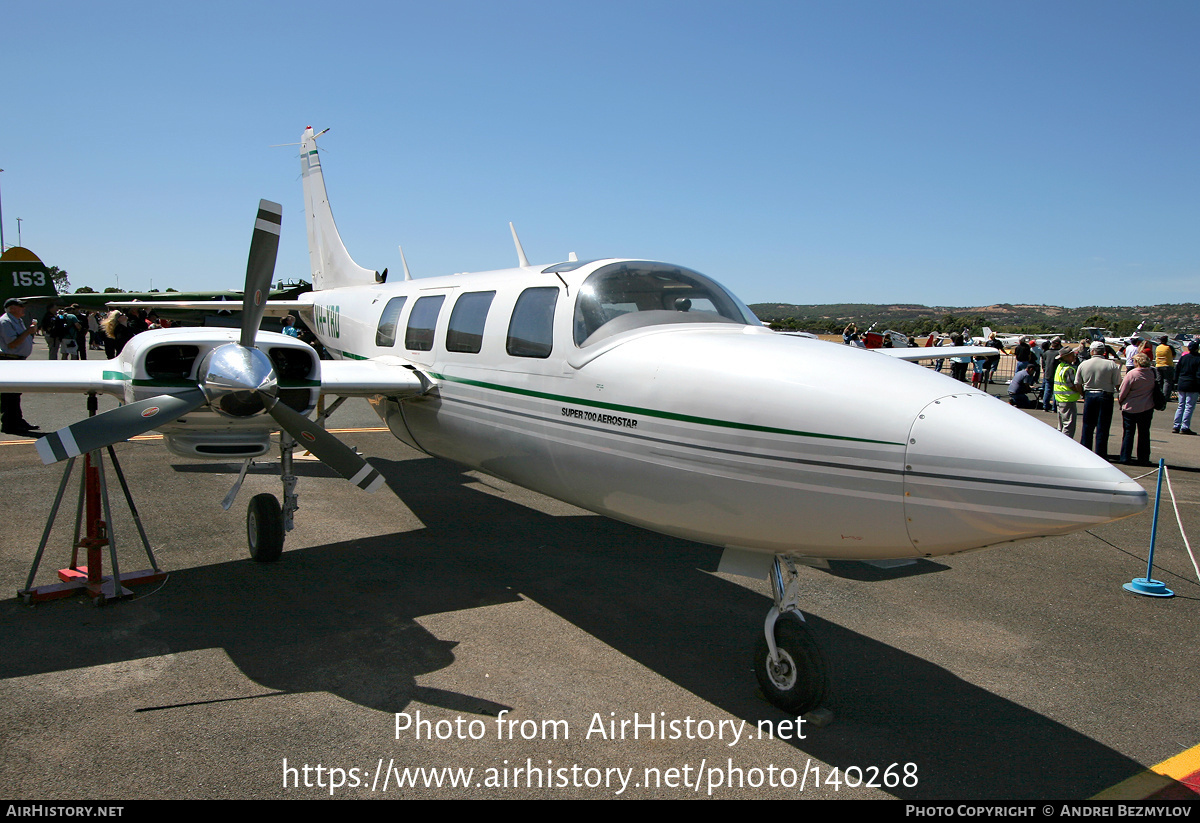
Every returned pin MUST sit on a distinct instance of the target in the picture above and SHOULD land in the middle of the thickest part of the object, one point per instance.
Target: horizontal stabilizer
(273, 308)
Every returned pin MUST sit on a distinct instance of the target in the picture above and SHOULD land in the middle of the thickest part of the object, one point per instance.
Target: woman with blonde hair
(116, 332)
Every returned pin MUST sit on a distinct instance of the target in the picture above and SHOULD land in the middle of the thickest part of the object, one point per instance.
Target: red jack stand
(90, 579)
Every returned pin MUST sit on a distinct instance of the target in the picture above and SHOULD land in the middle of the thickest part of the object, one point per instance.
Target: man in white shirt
(16, 343)
(1100, 379)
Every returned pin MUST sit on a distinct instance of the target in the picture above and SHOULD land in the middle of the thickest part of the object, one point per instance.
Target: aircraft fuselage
(720, 432)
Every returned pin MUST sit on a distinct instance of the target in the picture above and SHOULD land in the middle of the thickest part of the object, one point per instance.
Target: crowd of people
(1055, 376)
(71, 331)
(1140, 379)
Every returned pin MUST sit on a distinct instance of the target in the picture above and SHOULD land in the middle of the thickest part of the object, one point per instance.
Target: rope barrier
(1186, 544)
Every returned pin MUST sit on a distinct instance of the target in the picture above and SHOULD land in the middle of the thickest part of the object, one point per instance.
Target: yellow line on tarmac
(1156, 778)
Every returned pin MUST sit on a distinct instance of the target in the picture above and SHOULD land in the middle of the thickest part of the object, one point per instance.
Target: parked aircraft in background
(23, 275)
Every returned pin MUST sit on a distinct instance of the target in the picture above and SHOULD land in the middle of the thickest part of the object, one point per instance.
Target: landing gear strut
(267, 523)
(788, 663)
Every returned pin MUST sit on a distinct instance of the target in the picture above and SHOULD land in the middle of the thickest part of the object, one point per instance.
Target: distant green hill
(1003, 317)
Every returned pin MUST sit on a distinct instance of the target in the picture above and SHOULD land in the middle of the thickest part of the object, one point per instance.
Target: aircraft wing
(274, 308)
(389, 376)
(63, 376)
(938, 352)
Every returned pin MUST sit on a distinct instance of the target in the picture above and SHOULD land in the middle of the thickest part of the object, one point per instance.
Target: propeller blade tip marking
(367, 478)
(45, 451)
(57, 446)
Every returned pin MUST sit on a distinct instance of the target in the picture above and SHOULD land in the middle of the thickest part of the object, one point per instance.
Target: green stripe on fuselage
(665, 415)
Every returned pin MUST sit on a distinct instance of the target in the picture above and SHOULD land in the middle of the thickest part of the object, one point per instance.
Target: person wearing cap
(16, 343)
(1020, 386)
(1100, 380)
(1187, 388)
(1066, 391)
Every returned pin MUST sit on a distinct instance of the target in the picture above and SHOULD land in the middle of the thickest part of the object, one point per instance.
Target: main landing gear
(789, 665)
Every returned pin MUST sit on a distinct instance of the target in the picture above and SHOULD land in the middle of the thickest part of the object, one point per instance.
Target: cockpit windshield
(626, 296)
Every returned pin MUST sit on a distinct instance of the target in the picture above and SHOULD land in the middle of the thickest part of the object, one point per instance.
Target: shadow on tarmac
(339, 618)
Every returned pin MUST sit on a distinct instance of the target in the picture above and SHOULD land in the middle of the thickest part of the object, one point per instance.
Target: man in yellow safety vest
(1066, 391)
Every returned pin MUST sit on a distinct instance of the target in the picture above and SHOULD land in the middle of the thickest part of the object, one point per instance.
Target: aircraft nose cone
(979, 472)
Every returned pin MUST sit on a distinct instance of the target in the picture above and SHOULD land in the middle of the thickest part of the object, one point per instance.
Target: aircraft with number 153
(640, 390)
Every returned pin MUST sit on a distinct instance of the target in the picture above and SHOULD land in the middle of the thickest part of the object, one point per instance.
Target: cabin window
(421, 323)
(627, 296)
(531, 330)
(385, 335)
(465, 333)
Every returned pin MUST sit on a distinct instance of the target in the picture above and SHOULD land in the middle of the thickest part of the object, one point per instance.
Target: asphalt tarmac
(509, 634)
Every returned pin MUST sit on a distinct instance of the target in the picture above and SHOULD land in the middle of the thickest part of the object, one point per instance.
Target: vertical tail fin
(332, 266)
(22, 274)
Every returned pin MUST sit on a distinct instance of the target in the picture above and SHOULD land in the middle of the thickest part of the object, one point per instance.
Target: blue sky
(949, 153)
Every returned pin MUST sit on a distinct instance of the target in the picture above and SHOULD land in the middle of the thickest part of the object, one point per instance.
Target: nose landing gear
(788, 663)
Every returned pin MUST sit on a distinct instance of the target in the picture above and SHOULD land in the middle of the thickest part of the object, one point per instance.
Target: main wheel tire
(264, 528)
(800, 681)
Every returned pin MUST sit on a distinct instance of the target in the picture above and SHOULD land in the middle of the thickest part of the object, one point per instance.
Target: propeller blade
(260, 267)
(116, 425)
(332, 452)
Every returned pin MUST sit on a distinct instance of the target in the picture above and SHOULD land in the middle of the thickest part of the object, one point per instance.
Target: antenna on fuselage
(403, 262)
(522, 260)
(571, 258)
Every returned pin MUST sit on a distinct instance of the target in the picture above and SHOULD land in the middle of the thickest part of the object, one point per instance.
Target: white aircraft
(1009, 341)
(640, 390)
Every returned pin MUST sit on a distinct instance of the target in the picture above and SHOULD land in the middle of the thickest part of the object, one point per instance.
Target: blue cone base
(1148, 587)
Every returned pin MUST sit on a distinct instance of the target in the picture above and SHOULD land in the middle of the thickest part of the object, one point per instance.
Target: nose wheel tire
(264, 528)
(799, 680)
